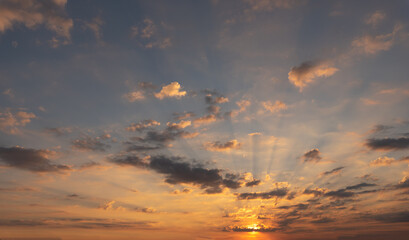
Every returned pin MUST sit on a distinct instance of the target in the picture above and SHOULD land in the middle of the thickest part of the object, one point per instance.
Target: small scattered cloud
(180, 125)
(375, 18)
(145, 124)
(11, 122)
(274, 107)
(87, 143)
(95, 26)
(183, 115)
(173, 90)
(204, 120)
(334, 171)
(383, 161)
(134, 96)
(313, 155)
(222, 146)
(151, 35)
(50, 13)
(59, 131)
(31, 159)
(371, 45)
(307, 72)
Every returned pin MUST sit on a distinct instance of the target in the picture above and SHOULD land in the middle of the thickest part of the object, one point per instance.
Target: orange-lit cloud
(307, 72)
(173, 90)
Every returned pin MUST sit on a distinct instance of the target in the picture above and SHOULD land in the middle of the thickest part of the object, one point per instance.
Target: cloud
(269, 5)
(184, 115)
(243, 105)
(170, 91)
(142, 125)
(373, 44)
(404, 183)
(375, 18)
(273, 108)
(394, 217)
(31, 14)
(134, 96)
(253, 183)
(386, 144)
(341, 193)
(87, 143)
(177, 171)
(222, 147)
(307, 72)
(151, 35)
(204, 120)
(383, 161)
(60, 131)
(95, 26)
(10, 122)
(316, 192)
(180, 125)
(107, 206)
(313, 155)
(360, 185)
(145, 209)
(211, 99)
(30, 159)
(78, 223)
(279, 192)
(334, 171)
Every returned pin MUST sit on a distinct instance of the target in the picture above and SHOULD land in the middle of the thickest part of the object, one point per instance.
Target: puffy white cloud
(173, 90)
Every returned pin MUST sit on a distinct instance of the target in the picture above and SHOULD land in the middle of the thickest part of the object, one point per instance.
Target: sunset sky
(211, 119)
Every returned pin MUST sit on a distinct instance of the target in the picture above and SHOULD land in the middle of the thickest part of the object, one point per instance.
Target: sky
(212, 119)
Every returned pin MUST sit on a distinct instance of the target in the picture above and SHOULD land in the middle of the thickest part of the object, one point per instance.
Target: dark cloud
(341, 193)
(388, 143)
(279, 192)
(316, 192)
(30, 159)
(313, 155)
(260, 228)
(380, 128)
(177, 171)
(333, 171)
(300, 206)
(359, 186)
(142, 148)
(85, 223)
(88, 143)
(394, 217)
(253, 183)
(170, 133)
